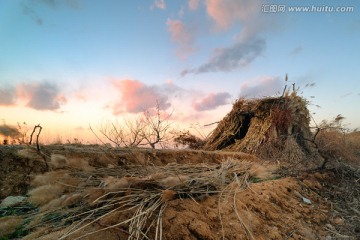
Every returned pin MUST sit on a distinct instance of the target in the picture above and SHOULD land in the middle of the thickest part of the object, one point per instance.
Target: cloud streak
(248, 45)
(181, 35)
(29, 6)
(231, 58)
(32, 14)
(296, 51)
(211, 101)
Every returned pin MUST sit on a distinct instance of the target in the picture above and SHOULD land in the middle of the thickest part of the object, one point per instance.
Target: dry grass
(9, 224)
(339, 146)
(49, 178)
(262, 172)
(44, 194)
(271, 128)
(58, 161)
(30, 154)
(134, 203)
(79, 164)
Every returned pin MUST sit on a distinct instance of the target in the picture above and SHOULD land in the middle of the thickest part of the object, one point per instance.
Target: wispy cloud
(29, 7)
(181, 36)
(193, 4)
(265, 86)
(211, 101)
(231, 58)
(296, 51)
(159, 4)
(346, 95)
(32, 14)
(42, 95)
(74, 4)
(7, 96)
(137, 97)
(248, 45)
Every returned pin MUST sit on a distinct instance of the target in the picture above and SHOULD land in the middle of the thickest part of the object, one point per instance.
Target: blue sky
(70, 63)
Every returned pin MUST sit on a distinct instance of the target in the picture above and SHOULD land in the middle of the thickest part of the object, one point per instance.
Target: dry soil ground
(88, 192)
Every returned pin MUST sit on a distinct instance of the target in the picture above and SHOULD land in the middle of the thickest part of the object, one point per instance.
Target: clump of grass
(44, 194)
(335, 143)
(49, 178)
(8, 225)
(58, 161)
(79, 163)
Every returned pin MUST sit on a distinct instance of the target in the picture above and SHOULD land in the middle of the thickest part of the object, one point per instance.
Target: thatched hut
(272, 127)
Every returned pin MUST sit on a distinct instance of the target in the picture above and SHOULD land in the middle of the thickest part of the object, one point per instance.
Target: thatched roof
(263, 125)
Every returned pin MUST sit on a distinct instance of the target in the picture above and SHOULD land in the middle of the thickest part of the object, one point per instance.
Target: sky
(68, 64)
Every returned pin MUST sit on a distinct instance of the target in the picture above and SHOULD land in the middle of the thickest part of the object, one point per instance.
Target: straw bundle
(134, 200)
(265, 127)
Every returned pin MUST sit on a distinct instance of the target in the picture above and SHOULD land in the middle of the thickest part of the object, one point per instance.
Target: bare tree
(152, 128)
(127, 133)
(157, 126)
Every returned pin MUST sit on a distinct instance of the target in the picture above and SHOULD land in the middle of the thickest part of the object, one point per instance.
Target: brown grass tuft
(80, 164)
(9, 224)
(336, 145)
(48, 178)
(72, 199)
(58, 161)
(53, 204)
(120, 183)
(44, 194)
(262, 172)
(38, 233)
(30, 154)
(94, 194)
(172, 181)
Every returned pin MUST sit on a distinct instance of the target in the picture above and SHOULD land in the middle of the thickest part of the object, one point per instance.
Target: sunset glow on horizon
(70, 64)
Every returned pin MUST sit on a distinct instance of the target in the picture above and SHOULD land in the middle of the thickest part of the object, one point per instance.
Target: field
(93, 192)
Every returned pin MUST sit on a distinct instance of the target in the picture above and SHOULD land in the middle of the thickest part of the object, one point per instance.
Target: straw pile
(273, 127)
(130, 201)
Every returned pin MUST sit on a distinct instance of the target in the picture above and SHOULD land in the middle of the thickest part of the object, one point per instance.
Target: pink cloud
(159, 4)
(211, 101)
(137, 97)
(193, 4)
(226, 12)
(181, 35)
(80, 96)
(265, 86)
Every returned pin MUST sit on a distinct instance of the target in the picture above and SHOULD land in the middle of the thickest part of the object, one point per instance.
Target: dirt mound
(90, 193)
(15, 170)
